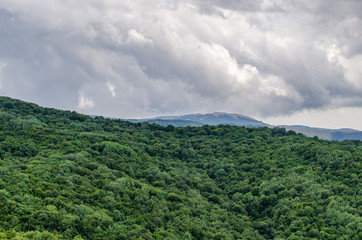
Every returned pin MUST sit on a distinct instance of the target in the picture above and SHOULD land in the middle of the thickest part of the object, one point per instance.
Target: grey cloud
(161, 57)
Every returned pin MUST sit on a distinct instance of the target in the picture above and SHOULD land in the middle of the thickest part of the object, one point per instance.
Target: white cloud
(2, 66)
(112, 89)
(84, 102)
(351, 64)
(137, 38)
(353, 69)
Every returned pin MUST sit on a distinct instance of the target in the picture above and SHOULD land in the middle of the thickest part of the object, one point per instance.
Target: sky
(283, 62)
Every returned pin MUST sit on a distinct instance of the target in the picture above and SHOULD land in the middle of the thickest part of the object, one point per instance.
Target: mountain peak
(233, 115)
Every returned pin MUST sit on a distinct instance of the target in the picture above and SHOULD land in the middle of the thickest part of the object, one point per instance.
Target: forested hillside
(65, 175)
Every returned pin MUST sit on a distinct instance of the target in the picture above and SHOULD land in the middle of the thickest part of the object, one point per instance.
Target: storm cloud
(152, 57)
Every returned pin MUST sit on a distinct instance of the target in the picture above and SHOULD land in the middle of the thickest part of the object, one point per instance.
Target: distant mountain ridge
(200, 119)
(217, 118)
(327, 134)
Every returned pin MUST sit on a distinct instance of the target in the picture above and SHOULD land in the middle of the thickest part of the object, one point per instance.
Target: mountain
(212, 119)
(65, 175)
(326, 134)
(217, 118)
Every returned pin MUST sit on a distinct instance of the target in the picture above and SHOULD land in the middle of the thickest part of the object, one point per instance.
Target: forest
(65, 175)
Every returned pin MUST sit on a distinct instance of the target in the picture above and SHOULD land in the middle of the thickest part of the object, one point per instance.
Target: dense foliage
(69, 176)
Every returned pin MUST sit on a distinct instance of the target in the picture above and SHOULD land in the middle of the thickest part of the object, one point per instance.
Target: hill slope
(65, 175)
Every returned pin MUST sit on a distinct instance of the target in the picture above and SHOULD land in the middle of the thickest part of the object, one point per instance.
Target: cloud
(135, 37)
(2, 65)
(144, 58)
(112, 89)
(84, 102)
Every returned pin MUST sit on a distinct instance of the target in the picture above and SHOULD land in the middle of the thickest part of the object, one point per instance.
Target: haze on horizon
(282, 62)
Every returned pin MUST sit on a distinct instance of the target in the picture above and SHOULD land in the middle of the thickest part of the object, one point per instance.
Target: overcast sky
(284, 62)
